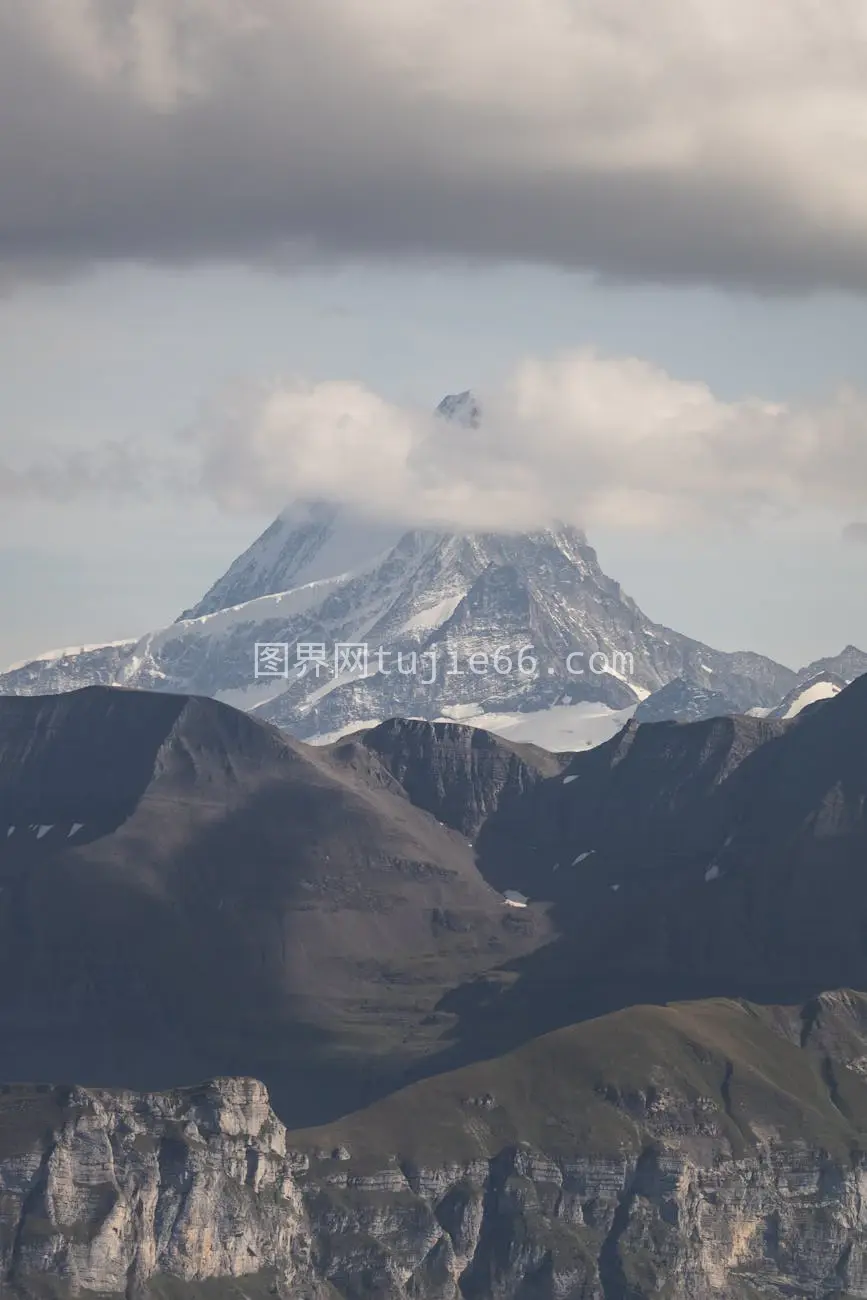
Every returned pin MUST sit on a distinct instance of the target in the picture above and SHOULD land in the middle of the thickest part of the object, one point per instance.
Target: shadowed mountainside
(189, 892)
(185, 891)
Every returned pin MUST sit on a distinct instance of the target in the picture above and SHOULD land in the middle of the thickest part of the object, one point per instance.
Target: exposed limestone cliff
(737, 1169)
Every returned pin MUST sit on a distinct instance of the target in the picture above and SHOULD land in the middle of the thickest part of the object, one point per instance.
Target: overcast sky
(245, 249)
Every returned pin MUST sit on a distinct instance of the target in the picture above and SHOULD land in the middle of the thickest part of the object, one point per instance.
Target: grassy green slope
(601, 1086)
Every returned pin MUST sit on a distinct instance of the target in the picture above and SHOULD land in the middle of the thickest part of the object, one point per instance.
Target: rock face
(460, 774)
(849, 664)
(684, 702)
(732, 1166)
(119, 1187)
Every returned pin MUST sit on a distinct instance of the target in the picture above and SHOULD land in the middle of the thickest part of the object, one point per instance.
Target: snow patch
(305, 545)
(252, 697)
(561, 728)
(460, 712)
(513, 898)
(818, 691)
(581, 856)
(280, 604)
(68, 652)
(432, 617)
(712, 873)
(330, 737)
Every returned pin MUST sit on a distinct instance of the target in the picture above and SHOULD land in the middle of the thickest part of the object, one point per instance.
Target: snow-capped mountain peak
(499, 628)
(312, 541)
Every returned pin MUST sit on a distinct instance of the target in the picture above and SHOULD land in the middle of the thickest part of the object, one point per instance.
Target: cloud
(855, 533)
(593, 439)
(589, 438)
(110, 470)
(672, 140)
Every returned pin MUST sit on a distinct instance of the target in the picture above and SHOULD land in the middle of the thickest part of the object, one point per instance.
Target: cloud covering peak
(579, 436)
(582, 436)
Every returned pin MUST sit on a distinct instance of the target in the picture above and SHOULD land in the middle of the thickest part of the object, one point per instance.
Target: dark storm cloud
(676, 140)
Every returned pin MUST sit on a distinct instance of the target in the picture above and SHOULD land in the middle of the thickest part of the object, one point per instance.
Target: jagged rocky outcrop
(847, 665)
(462, 775)
(699, 1151)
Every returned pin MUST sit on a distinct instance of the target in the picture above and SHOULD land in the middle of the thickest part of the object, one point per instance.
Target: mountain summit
(521, 631)
(463, 408)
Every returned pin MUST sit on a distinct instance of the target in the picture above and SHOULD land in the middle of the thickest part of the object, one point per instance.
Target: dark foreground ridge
(186, 892)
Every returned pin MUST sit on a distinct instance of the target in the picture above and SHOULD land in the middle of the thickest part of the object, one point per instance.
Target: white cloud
(594, 439)
(111, 469)
(599, 440)
(672, 139)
